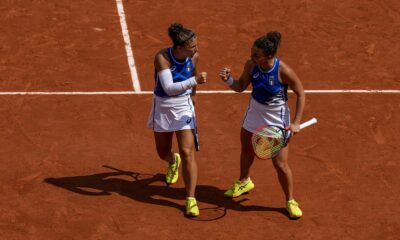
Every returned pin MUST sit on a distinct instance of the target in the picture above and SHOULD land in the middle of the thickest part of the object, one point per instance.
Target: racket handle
(308, 123)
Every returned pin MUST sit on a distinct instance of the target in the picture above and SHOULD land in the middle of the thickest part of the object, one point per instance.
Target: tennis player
(173, 108)
(270, 78)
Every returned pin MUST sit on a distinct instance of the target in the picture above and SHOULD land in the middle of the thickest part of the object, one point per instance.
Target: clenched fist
(201, 78)
(225, 73)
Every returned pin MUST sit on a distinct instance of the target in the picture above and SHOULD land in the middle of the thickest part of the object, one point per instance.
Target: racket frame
(286, 134)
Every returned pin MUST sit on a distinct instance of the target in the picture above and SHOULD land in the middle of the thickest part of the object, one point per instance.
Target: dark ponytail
(180, 35)
(269, 43)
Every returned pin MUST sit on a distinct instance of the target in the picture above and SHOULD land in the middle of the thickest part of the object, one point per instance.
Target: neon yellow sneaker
(293, 209)
(192, 210)
(239, 188)
(173, 170)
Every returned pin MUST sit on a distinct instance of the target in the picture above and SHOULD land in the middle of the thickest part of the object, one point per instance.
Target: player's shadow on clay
(149, 188)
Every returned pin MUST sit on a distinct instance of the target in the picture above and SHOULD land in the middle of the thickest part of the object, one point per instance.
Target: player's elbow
(300, 93)
(240, 88)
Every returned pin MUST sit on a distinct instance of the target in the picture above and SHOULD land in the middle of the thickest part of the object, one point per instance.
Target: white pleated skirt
(171, 114)
(260, 115)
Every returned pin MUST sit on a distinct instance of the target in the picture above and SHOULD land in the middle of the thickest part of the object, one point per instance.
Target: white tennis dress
(268, 104)
(259, 115)
(173, 113)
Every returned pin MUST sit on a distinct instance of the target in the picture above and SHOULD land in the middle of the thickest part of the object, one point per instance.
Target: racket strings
(268, 142)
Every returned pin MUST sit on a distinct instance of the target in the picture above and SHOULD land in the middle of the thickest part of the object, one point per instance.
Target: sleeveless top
(267, 89)
(181, 71)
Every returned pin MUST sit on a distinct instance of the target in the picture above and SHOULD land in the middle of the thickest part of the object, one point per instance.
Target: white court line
(135, 79)
(128, 48)
(199, 92)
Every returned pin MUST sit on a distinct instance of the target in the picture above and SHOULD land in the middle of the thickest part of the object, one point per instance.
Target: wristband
(229, 81)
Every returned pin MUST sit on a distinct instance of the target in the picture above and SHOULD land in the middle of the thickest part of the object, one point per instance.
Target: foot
(239, 188)
(192, 210)
(293, 209)
(173, 170)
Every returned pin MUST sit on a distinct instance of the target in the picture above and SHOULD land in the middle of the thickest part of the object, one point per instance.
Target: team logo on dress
(188, 68)
(255, 75)
(188, 120)
(172, 68)
(271, 80)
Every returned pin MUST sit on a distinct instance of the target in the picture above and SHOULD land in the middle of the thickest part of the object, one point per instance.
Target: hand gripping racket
(269, 140)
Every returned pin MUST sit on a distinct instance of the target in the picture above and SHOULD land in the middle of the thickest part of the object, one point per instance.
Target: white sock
(246, 180)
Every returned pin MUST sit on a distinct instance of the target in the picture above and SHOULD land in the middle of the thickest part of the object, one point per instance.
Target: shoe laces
(191, 203)
(235, 185)
(293, 203)
(172, 169)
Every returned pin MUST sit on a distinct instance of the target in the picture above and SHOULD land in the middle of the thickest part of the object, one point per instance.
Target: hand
(201, 78)
(294, 128)
(225, 73)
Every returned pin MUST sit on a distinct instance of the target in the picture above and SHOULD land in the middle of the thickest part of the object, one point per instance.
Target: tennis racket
(269, 140)
(195, 132)
(196, 136)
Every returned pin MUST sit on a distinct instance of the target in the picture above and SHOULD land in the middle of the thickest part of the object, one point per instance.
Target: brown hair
(269, 43)
(180, 35)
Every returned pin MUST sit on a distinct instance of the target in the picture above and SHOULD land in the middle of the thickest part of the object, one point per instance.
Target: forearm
(171, 88)
(194, 89)
(301, 99)
(235, 85)
(193, 95)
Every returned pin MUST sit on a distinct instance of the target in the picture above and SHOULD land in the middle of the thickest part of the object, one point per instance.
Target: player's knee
(281, 166)
(186, 153)
(163, 154)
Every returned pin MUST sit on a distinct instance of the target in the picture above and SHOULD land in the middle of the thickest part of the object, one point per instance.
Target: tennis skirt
(260, 115)
(171, 114)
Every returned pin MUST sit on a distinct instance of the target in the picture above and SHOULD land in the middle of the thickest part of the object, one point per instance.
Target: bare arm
(194, 89)
(244, 80)
(161, 60)
(288, 76)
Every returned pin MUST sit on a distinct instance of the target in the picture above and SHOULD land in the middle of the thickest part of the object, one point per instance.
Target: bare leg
(189, 166)
(284, 172)
(246, 155)
(164, 146)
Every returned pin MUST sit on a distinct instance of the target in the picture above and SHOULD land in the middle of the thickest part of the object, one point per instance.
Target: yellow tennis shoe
(173, 170)
(239, 188)
(293, 209)
(192, 210)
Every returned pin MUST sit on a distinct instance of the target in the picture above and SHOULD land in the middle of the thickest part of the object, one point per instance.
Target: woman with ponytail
(270, 78)
(172, 112)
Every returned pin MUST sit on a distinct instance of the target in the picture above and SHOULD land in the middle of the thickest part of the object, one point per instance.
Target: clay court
(77, 161)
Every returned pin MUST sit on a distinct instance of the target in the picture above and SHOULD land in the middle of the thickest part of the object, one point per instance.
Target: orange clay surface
(85, 167)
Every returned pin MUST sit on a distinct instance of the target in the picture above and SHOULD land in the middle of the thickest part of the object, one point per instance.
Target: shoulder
(285, 68)
(162, 54)
(161, 59)
(195, 58)
(249, 65)
(287, 73)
